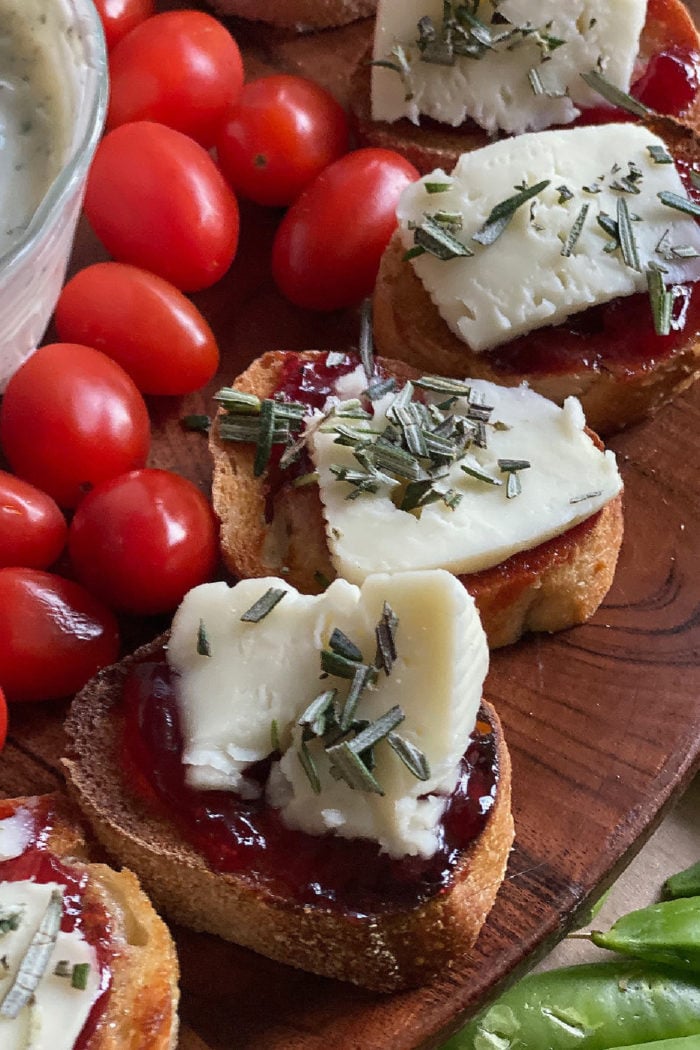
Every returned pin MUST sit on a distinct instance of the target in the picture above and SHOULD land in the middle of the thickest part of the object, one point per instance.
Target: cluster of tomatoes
(184, 138)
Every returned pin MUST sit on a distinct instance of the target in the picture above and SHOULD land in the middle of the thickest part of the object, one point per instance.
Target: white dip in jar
(53, 91)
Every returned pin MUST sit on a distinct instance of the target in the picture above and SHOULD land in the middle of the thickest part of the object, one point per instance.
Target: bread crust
(559, 584)
(431, 145)
(141, 1011)
(396, 949)
(298, 14)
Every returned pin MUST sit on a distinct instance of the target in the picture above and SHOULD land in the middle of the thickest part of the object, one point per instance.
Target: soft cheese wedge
(566, 479)
(523, 62)
(269, 671)
(58, 1011)
(583, 223)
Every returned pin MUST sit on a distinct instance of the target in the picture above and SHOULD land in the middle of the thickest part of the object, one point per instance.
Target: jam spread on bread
(82, 911)
(247, 836)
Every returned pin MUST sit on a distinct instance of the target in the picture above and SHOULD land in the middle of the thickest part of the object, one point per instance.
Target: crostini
(567, 259)
(328, 506)
(86, 962)
(445, 79)
(314, 777)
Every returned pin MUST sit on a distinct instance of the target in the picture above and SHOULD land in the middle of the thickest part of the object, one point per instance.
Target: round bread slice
(397, 948)
(298, 14)
(141, 1008)
(556, 585)
(431, 145)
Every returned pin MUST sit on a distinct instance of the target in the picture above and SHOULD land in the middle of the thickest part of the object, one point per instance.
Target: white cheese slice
(58, 1013)
(370, 534)
(271, 669)
(16, 833)
(495, 90)
(522, 280)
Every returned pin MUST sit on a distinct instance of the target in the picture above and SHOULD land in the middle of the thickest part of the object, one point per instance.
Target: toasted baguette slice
(431, 145)
(397, 948)
(298, 14)
(558, 584)
(141, 1009)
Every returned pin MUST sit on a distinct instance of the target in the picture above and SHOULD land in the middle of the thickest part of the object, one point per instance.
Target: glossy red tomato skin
(328, 246)
(142, 540)
(157, 200)
(142, 322)
(180, 68)
(121, 16)
(282, 133)
(32, 529)
(54, 635)
(70, 418)
(3, 720)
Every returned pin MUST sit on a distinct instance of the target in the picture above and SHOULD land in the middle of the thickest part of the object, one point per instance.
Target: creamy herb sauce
(32, 130)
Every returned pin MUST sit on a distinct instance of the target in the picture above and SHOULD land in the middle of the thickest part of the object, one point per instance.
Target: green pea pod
(589, 1007)
(687, 1042)
(685, 883)
(668, 933)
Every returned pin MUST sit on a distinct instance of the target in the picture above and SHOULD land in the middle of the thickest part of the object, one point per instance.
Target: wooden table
(603, 721)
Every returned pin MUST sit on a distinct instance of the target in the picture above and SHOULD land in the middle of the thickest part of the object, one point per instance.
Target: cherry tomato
(180, 68)
(142, 540)
(156, 199)
(32, 529)
(141, 321)
(328, 247)
(70, 418)
(54, 636)
(120, 16)
(284, 131)
(3, 720)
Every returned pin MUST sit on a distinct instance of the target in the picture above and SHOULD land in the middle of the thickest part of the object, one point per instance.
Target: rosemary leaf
(661, 299)
(341, 644)
(364, 675)
(585, 496)
(366, 346)
(411, 756)
(196, 422)
(380, 387)
(513, 485)
(385, 633)
(314, 717)
(660, 155)
(503, 212)
(674, 200)
(479, 474)
(203, 643)
(575, 231)
(237, 401)
(377, 730)
(443, 385)
(628, 243)
(347, 766)
(309, 766)
(436, 239)
(265, 437)
(36, 959)
(437, 187)
(79, 976)
(614, 95)
(264, 605)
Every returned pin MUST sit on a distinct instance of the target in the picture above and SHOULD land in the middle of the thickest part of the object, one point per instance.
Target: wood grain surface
(603, 721)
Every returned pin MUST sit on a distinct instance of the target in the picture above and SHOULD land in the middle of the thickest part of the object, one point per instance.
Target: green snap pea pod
(687, 1042)
(589, 1007)
(685, 883)
(668, 932)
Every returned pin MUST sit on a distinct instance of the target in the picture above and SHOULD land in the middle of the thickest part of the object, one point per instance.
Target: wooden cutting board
(603, 721)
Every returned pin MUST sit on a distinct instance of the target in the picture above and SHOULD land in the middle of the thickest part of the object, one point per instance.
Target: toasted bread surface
(298, 14)
(431, 145)
(559, 584)
(397, 948)
(141, 1009)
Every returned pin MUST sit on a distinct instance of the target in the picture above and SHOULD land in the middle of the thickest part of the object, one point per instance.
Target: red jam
(80, 911)
(248, 837)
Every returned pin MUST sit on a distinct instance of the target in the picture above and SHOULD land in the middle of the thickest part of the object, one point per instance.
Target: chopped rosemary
(385, 633)
(504, 211)
(661, 299)
(203, 643)
(479, 474)
(614, 95)
(36, 959)
(585, 496)
(10, 921)
(341, 644)
(348, 766)
(62, 968)
(674, 200)
(264, 605)
(565, 194)
(660, 155)
(411, 756)
(575, 231)
(435, 238)
(366, 344)
(437, 187)
(628, 243)
(196, 422)
(512, 468)
(309, 767)
(79, 976)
